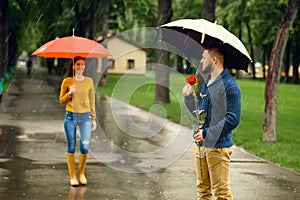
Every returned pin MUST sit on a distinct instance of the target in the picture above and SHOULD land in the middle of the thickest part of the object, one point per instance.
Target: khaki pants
(214, 176)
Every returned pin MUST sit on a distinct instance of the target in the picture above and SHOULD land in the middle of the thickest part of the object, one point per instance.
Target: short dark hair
(217, 52)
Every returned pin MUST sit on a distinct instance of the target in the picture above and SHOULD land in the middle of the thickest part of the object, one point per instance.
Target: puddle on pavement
(13, 176)
(280, 182)
(129, 131)
(21, 176)
(8, 136)
(129, 140)
(128, 137)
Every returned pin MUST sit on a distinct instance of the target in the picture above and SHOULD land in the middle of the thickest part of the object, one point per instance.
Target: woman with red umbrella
(77, 92)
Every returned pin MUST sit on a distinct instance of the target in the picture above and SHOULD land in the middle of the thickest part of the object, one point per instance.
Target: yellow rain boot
(81, 167)
(72, 169)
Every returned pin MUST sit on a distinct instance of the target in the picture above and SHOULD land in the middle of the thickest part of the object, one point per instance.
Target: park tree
(236, 17)
(208, 11)
(4, 27)
(295, 51)
(272, 82)
(105, 29)
(11, 15)
(127, 14)
(94, 19)
(105, 18)
(185, 9)
(81, 12)
(264, 25)
(180, 8)
(162, 72)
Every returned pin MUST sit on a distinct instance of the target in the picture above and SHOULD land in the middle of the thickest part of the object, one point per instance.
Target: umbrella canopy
(70, 47)
(200, 31)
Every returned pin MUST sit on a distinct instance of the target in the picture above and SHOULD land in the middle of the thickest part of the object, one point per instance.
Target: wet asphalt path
(32, 152)
(124, 164)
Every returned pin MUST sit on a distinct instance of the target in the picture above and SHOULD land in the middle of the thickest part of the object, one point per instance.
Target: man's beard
(206, 71)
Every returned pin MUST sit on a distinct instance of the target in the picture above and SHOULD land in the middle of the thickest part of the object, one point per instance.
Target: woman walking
(77, 92)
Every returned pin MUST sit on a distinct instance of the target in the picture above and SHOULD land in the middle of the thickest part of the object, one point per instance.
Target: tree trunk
(272, 82)
(251, 50)
(105, 29)
(296, 62)
(264, 63)
(287, 62)
(4, 38)
(208, 12)
(266, 55)
(13, 49)
(105, 18)
(180, 65)
(162, 74)
(94, 19)
(162, 71)
(80, 19)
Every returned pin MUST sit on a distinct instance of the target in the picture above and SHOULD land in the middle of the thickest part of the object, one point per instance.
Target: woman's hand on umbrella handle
(72, 89)
(94, 125)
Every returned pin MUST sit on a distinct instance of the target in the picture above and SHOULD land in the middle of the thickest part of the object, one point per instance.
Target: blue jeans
(84, 121)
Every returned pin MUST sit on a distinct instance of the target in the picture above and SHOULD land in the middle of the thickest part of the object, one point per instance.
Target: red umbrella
(70, 47)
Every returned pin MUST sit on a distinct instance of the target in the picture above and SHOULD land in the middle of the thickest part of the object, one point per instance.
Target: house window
(130, 63)
(111, 64)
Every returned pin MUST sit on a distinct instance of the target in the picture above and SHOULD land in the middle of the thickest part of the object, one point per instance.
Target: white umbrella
(207, 34)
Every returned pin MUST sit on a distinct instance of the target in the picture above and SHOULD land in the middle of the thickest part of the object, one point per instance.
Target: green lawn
(249, 134)
(139, 91)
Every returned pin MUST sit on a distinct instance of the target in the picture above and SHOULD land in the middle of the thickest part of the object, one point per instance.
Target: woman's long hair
(70, 71)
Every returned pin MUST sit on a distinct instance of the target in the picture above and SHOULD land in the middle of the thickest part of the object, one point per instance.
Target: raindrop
(39, 18)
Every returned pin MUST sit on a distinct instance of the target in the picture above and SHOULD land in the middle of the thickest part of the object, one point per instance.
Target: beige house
(127, 56)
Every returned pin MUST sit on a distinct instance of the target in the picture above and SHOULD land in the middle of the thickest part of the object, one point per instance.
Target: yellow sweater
(82, 100)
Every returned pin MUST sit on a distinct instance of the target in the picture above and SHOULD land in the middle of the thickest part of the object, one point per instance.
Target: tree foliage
(32, 23)
(185, 9)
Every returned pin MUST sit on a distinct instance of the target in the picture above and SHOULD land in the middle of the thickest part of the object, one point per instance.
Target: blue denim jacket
(222, 102)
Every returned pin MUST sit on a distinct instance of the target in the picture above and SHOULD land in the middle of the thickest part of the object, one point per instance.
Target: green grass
(140, 90)
(249, 134)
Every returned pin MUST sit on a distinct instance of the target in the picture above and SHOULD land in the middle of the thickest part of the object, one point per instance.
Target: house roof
(121, 37)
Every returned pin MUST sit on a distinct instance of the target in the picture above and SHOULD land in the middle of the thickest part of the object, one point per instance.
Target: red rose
(191, 79)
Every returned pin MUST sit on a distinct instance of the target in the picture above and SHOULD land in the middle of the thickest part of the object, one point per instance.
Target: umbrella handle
(202, 37)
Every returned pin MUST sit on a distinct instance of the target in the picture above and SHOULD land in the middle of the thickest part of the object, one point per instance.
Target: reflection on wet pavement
(32, 161)
(76, 193)
(133, 155)
(124, 144)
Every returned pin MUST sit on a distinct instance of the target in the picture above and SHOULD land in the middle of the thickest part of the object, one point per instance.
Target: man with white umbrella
(220, 98)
